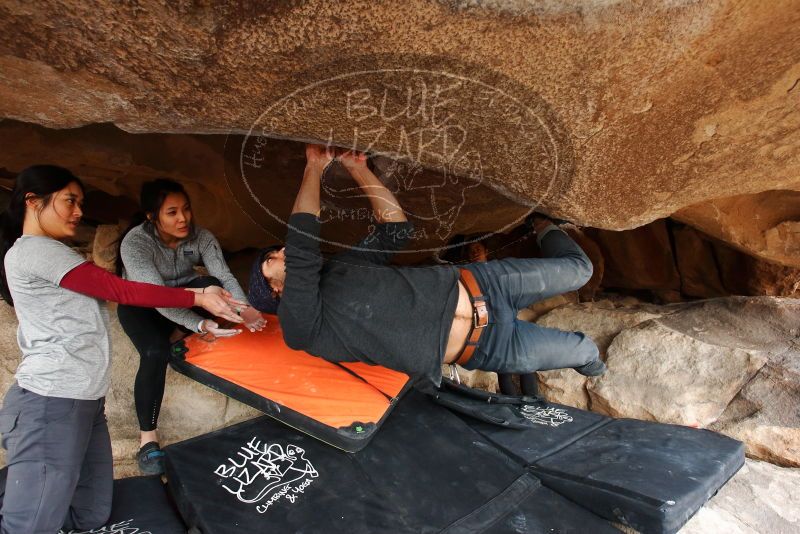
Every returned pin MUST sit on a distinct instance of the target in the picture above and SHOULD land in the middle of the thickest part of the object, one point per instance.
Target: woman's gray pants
(60, 468)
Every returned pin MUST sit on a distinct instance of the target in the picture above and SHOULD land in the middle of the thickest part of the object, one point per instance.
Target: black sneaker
(593, 368)
(151, 459)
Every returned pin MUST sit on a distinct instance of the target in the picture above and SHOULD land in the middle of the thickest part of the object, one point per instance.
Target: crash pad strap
(509, 499)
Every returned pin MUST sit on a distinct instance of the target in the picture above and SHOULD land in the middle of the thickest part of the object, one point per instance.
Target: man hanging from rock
(356, 307)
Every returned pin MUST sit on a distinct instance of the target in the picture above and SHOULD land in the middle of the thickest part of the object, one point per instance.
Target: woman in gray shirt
(53, 421)
(164, 248)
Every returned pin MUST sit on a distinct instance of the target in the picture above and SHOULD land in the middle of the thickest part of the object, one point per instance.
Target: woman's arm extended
(89, 279)
(138, 256)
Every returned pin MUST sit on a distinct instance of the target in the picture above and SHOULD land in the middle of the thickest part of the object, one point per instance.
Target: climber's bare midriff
(462, 321)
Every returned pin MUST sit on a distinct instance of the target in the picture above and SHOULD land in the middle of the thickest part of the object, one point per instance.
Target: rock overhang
(646, 110)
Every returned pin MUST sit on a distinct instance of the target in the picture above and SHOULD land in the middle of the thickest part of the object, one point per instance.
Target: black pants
(150, 332)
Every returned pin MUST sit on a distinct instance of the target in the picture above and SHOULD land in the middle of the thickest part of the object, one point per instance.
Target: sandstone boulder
(601, 321)
(760, 499)
(766, 324)
(659, 374)
(729, 363)
(475, 379)
(766, 413)
(106, 243)
(763, 225)
(564, 386)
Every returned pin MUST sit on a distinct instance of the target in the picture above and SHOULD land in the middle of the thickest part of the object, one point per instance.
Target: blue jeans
(509, 345)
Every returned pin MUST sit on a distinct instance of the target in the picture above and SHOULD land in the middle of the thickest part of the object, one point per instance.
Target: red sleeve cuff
(89, 279)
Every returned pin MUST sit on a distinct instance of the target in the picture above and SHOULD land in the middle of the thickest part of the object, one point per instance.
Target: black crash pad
(425, 471)
(650, 476)
(140, 505)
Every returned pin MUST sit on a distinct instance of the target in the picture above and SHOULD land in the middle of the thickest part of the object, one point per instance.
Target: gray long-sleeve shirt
(147, 259)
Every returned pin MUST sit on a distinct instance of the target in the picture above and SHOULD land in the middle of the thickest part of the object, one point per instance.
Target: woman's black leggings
(150, 332)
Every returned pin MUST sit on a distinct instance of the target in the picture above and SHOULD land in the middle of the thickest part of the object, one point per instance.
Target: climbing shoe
(528, 223)
(151, 459)
(593, 368)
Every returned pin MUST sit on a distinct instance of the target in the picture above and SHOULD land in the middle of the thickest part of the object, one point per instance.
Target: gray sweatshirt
(147, 259)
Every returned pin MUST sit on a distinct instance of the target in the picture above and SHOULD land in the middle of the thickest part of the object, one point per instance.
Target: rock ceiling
(611, 114)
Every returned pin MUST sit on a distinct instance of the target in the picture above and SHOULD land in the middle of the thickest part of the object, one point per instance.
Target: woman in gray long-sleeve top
(164, 249)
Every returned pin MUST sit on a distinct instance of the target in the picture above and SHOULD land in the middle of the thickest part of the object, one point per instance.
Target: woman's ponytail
(10, 230)
(41, 181)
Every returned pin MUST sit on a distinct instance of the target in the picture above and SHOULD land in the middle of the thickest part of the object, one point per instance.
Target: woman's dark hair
(41, 181)
(151, 198)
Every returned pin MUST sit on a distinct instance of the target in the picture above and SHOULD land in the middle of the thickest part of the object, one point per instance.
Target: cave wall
(669, 261)
(115, 163)
(665, 260)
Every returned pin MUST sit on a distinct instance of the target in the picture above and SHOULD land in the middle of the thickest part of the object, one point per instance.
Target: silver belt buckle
(476, 316)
